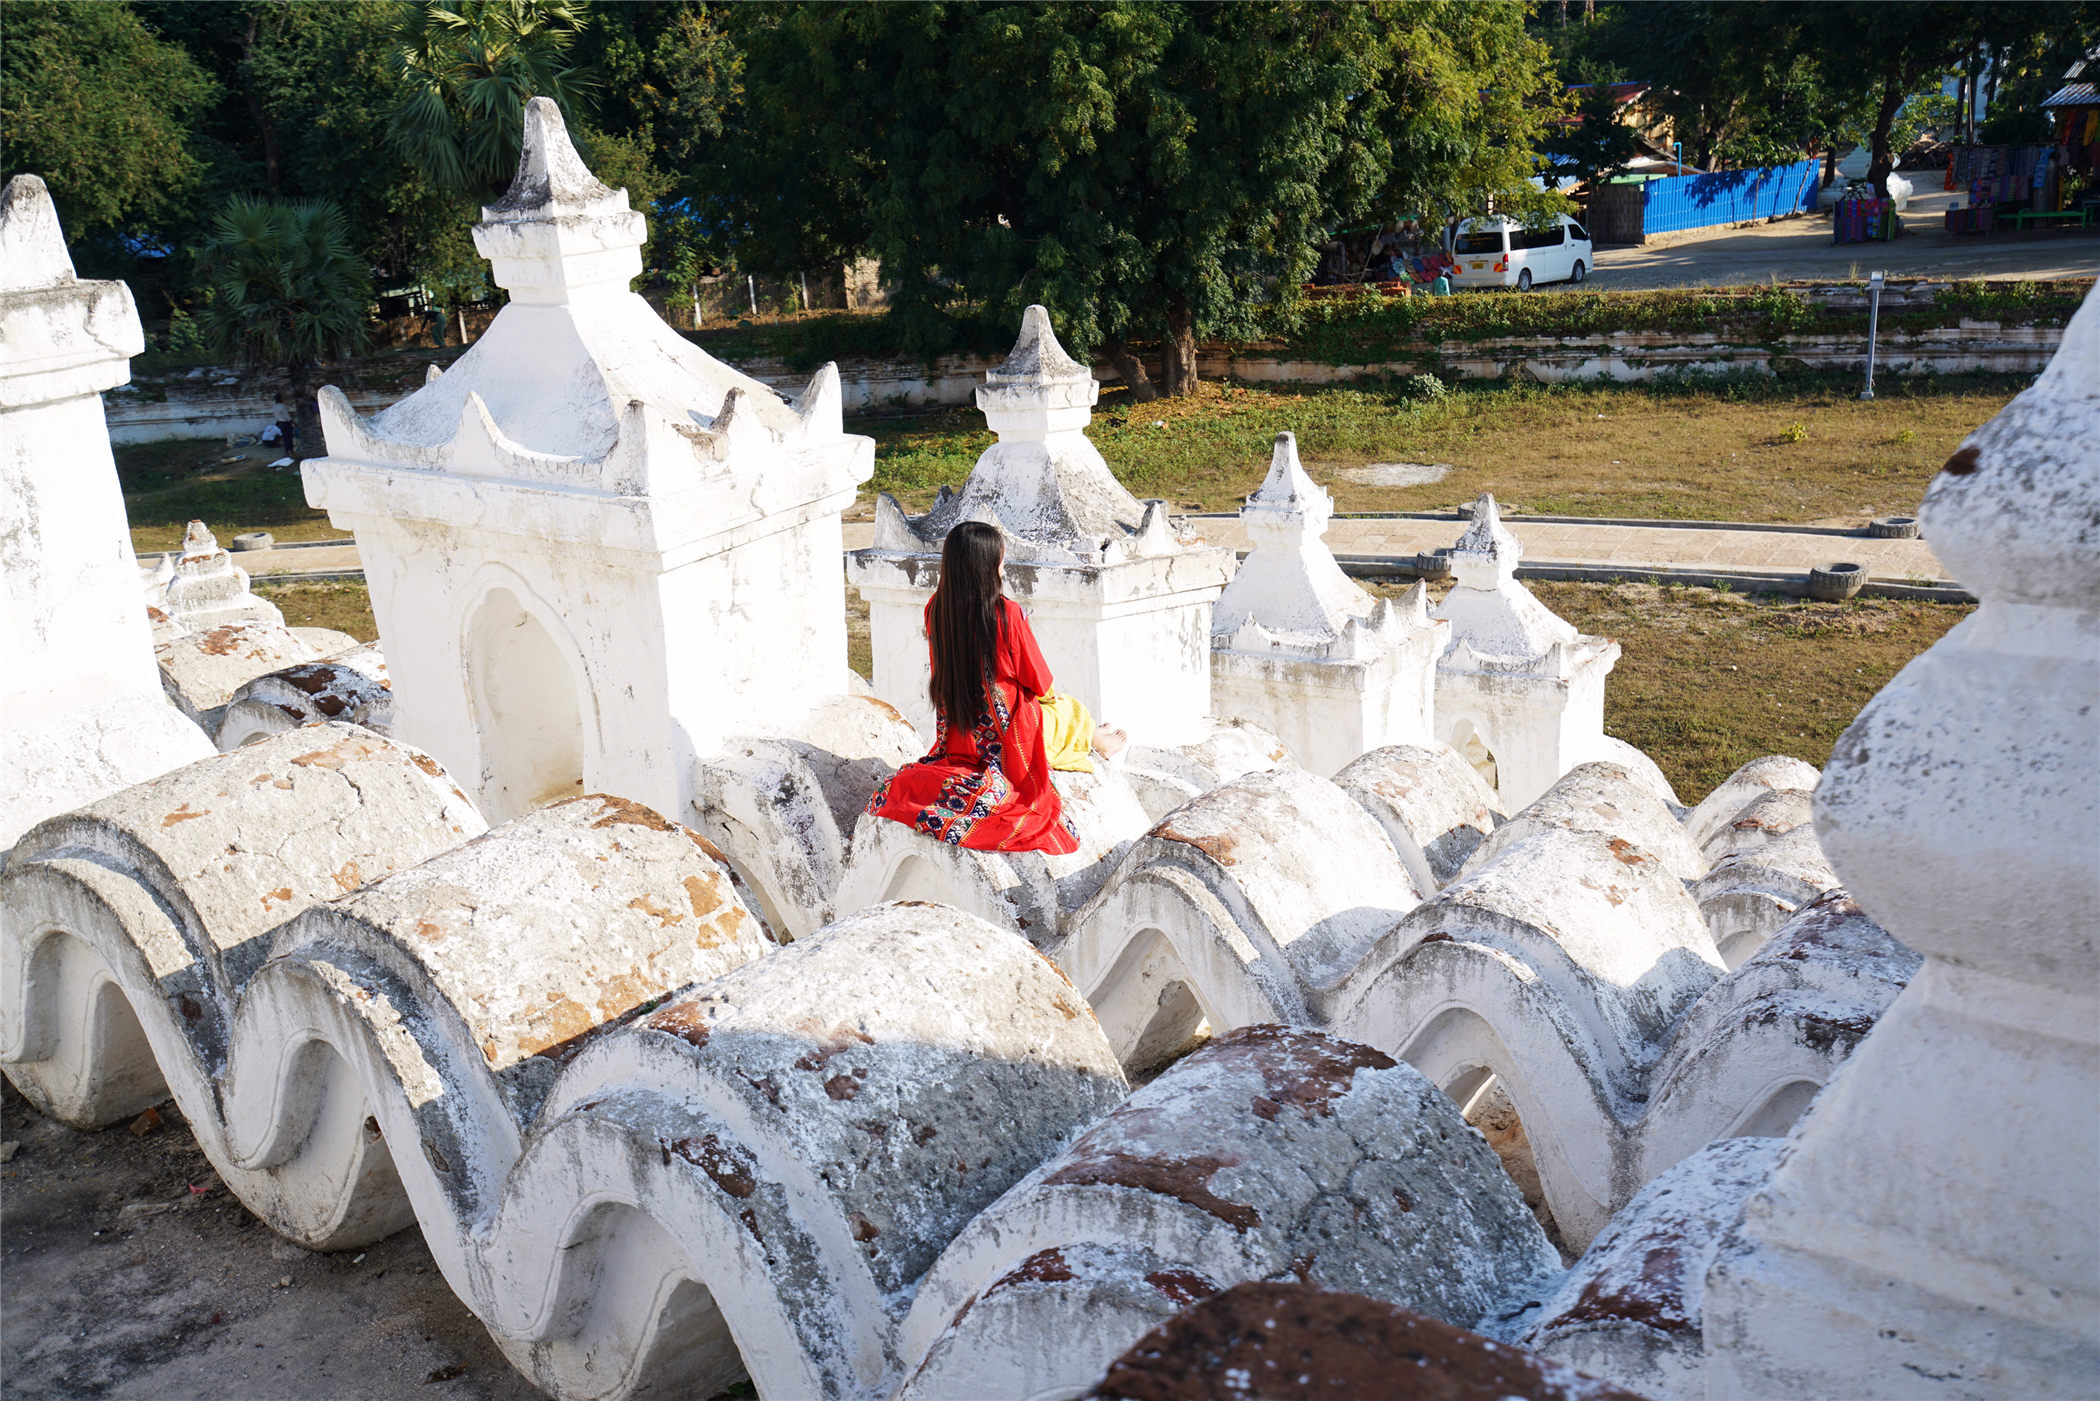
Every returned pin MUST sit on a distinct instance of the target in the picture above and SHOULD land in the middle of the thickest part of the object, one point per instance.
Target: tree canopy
(99, 105)
(1143, 170)
(287, 288)
(1756, 83)
(1151, 171)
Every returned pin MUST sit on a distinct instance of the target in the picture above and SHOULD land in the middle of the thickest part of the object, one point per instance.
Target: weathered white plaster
(84, 711)
(202, 588)
(1120, 603)
(1434, 806)
(1247, 905)
(1518, 691)
(595, 552)
(202, 672)
(783, 806)
(1274, 1152)
(1748, 895)
(1566, 962)
(350, 686)
(1772, 773)
(1299, 649)
(1631, 1308)
(1930, 1232)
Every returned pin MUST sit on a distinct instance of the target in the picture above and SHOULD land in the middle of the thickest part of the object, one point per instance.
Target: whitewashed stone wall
(1302, 651)
(595, 552)
(85, 714)
(1119, 601)
(1930, 1231)
(1518, 691)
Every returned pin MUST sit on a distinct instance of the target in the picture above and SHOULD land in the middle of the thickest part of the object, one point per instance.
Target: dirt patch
(124, 1282)
(1711, 679)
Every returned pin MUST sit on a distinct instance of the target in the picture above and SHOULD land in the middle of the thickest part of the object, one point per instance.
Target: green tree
(466, 69)
(1143, 170)
(1593, 144)
(98, 105)
(306, 93)
(286, 288)
(1886, 50)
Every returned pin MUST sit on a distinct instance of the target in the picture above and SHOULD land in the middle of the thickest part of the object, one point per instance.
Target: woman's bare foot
(1109, 742)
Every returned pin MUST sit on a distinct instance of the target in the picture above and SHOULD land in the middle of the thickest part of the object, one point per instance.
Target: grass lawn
(1711, 680)
(1708, 680)
(1791, 451)
(344, 607)
(173, 482)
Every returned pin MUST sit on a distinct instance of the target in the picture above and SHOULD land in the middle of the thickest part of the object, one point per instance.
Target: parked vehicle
(1500, 252)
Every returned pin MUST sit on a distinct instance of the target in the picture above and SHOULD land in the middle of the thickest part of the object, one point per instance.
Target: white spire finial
(1486, 555)
(32, 247)
(558, 231)
(550, 173)
(1037, 356)
(1041, 391)
(1289, 489)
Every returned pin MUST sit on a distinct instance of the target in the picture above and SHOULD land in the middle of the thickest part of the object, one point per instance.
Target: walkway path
(1608, 543)
(1735, 550)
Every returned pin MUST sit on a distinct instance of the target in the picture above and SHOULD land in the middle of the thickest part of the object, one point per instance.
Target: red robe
(988, 787)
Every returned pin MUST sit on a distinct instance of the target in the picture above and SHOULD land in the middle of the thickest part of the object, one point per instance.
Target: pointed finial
(32, 247)
(551, 176)
(198, 540)
(1487, 536)
(1486, 555)
(1037, 357)
(1289, 487)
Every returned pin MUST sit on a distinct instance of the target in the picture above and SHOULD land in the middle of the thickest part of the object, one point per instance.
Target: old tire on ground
(254, 540)
(1833, 583)
(1893, 527)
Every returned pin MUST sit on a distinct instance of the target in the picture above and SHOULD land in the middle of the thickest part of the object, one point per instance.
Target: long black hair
(962, 627)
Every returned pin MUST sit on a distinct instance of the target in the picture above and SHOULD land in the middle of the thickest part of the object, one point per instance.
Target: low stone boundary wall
(1628, 356)
(230, 414)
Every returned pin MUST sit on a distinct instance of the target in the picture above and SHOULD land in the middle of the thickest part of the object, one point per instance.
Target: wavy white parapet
(1564, 960)
(646, 1149)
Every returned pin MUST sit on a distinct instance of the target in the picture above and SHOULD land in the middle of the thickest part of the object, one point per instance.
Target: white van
(1500, 252)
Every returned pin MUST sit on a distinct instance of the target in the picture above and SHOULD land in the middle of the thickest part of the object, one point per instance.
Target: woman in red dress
(985, 784)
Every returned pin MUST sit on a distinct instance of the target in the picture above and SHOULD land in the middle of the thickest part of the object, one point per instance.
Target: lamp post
(1677, 157)
(1873, 326)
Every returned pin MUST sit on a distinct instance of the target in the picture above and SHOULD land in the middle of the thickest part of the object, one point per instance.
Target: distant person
(1000, 727)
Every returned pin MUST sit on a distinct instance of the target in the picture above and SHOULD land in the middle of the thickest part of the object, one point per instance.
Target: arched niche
(1467, 739)
(527, 716)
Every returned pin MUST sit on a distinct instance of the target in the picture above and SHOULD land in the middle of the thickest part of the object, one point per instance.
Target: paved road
(1799, 249)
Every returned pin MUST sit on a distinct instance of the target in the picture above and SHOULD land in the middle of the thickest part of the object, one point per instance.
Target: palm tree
(467, 69)
(286, 288)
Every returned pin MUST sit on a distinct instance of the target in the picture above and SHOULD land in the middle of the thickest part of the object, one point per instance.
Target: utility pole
(1874, 281)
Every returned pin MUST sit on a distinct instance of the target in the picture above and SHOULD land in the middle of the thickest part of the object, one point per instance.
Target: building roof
(2074, 95)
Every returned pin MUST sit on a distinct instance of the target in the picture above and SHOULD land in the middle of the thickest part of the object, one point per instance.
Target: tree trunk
(272, 166)
(1179, 351)
(1884, 123)
(306, 417)
(1132, 370)
(1830, 163)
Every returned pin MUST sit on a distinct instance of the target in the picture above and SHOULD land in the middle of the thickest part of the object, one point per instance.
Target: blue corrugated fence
(1727, 197)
